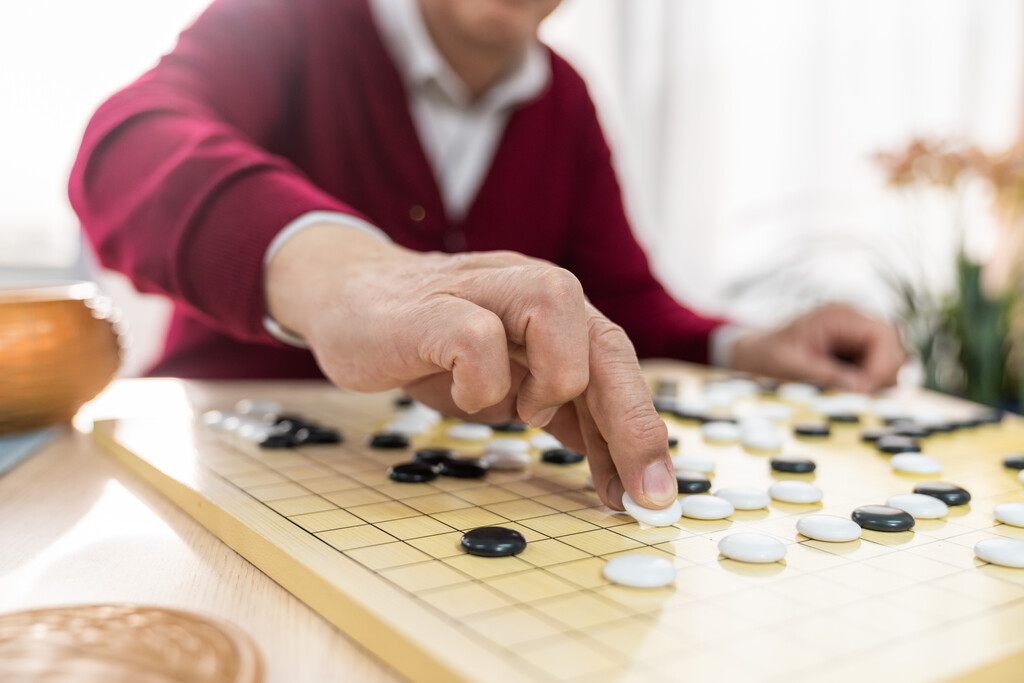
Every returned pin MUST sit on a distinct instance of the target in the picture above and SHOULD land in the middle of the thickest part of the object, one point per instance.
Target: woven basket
(59, 346)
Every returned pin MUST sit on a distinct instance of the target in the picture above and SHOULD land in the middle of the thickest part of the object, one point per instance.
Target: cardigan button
(417, 213)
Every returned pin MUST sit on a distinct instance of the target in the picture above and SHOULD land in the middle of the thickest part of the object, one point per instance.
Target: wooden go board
(381, 560)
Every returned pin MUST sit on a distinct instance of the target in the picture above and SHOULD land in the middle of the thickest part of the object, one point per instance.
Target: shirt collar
(423, 68)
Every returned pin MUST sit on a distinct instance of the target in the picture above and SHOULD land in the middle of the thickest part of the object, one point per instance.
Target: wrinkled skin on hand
(486, 336)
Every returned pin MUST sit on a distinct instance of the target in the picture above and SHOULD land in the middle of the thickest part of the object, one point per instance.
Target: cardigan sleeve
(612, 266)
(174, 184)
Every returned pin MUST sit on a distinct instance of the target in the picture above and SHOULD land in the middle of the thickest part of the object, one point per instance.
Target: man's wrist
(278, 273)
(722, 343)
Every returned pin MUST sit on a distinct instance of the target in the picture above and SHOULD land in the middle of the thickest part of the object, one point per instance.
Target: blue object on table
(16, 447)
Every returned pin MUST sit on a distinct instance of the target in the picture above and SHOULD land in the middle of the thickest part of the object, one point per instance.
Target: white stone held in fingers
(652, 517)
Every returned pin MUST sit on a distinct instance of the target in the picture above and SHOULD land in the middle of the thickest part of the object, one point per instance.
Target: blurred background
(746, 134)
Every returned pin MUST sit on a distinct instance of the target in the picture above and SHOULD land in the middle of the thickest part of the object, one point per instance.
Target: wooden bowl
(58, 348)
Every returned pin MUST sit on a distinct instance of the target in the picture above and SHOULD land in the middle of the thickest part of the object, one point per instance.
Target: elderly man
(417, 194)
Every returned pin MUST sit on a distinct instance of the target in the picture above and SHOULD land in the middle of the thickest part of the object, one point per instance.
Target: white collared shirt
(459, 135)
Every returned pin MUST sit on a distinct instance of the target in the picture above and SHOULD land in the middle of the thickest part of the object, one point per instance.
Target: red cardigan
(268, 109)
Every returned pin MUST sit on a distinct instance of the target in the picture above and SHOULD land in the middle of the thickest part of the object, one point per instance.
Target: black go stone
(812, 429)
(412, 472)
(318, 435)
(943, 427)
(279, 441)
(509, 427)
(691, 416)
(882, 518)
(693, 482)
(769, 385)
(403, 401)
(794, 464)
(950, 494)
(389, 440)
(432, 456)
(291, 421)
(493, 541)
(462, 468)
(895, 443)
(561, 456)
(911, 430)
(1015, 461)
(673, 442)
(989, 417)
(845, 418)
(873, 434)
(665, 404)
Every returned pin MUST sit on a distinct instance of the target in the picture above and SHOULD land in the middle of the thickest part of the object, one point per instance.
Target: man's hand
(493, 336)
(833, 345)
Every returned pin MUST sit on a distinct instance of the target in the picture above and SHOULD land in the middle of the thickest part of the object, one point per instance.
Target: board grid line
(716, 587)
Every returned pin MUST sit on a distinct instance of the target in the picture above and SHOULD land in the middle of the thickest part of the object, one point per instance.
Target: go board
(381, 559)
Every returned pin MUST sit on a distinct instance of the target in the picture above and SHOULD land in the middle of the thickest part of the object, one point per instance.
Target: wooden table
(78, 529)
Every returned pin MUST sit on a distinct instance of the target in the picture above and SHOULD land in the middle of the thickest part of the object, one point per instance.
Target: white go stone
(852, 403)
(215, 419)
(719, 399)
(761, 439)
(696, 405)
(775, 411)
(744, 497)
(1020, 477)
(915, 463)
(789, 491)
(470, 431)
(750, 423)
(830, 528)
(640, 571)
(589, 483)
(505, 460)
(507, 445)
(720, 432)
(889, 409)
(797, 392)
(919, 505)
(693, 463)
(1007, 552)
(253, 429)
(927, 417)
(665, 517)
(743, 387)
(703, 506)
(258, 407)
(750, 547)
(409, 424)
(422, 411)
(544, 442)
(1010, 513)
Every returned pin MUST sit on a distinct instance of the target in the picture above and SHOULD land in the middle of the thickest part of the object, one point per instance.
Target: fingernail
(614, 493)
(659, 484)
(541, 418)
